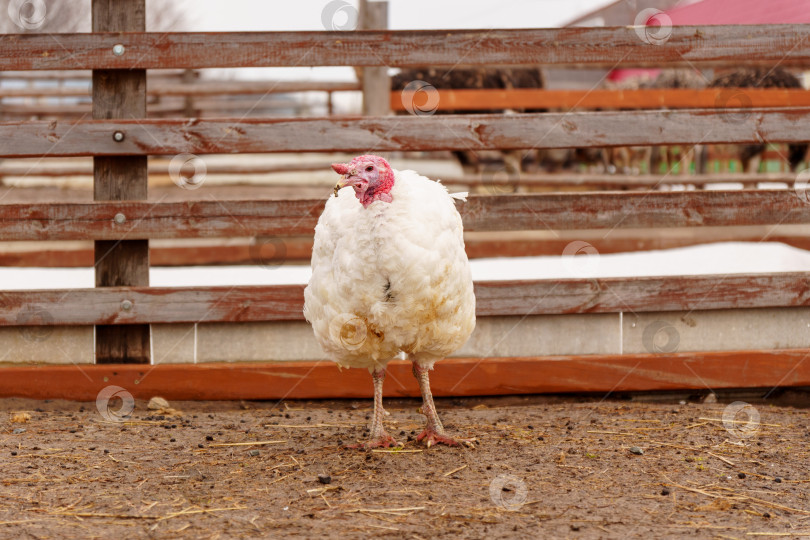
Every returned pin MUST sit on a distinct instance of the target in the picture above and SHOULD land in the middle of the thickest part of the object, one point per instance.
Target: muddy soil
(540, 467)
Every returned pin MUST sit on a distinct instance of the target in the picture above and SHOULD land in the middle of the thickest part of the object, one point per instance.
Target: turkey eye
(370, 168)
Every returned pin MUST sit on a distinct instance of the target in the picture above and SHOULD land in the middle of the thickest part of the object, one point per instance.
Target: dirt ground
(542, 467)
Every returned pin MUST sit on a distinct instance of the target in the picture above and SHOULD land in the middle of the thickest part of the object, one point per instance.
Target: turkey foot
(383, 441)
(431, 437)
(434, 431)
(379, 437)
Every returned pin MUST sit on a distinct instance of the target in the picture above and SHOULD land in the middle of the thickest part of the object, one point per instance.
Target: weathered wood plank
(496, 180)
(158, 220)
(655, 209)
(608, 46)
(140, 305)
(167, 107)
(452, 377)
(298, 250)
(640, 294)
(543, 211)
(161, 167)
(375, 80)
(120, 94)
(671, 98)
(480, 99)
(197, 88)
(383, 134)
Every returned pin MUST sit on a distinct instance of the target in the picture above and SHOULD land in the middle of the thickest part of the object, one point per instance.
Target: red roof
(707, 12)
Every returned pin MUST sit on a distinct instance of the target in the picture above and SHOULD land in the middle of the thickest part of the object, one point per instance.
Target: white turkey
(390, 276)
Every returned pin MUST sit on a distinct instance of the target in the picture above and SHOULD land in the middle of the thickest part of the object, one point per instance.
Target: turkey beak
(343, 170)
(343, 182)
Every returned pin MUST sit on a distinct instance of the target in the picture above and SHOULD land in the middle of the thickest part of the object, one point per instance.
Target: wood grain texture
(120, 94)
(451, 377)
(497, 181)
(670, 98)
(194, 88)
(75, 307)
(375, 80)
(475, 99)
(786, 45)
(403, 133)
(546, 211)
(298, 250)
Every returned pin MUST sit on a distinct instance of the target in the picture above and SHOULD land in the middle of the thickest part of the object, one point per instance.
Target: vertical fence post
(120, 94)
(376, 83)
(189, 77)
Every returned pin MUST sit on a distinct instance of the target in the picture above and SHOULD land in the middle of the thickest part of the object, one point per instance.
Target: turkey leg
(379, 437)
(434, 431)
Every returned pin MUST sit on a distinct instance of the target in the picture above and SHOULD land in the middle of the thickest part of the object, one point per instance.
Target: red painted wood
(669, 98)
(545, 211)
(451, 377)
(493, 298)
(786, 45)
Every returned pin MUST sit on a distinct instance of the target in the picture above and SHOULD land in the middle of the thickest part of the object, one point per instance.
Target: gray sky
(276, 15)
(216, 15)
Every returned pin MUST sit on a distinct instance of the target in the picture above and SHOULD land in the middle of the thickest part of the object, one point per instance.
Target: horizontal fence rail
(197, 88)
(130, 220)
(672, 98)
(85, 168)
(474, 98)
(455, 376)
(405, 133)
(298, 249)
(494, 177)
(786, 45)
(140, 305)
(497, 180)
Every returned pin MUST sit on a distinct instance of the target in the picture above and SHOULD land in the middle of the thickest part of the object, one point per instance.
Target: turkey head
(370, 176)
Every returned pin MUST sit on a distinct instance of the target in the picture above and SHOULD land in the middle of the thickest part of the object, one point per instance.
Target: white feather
(392, 277)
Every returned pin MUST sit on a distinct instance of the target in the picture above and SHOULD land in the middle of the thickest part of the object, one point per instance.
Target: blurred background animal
(750, 156)
(479, 78)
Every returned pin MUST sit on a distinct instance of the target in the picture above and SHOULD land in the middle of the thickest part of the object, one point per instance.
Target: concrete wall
(544, 335)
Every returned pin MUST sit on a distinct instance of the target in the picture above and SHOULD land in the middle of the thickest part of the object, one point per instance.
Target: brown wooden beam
(402, 133)
(670, 98)
(480, 99)
(451, 377)
(495, 180)
(299, 250)
(120, 94)
(142, 305)
(195, 88)
(786, 45)
(160, 166)
(544, 211)
(375, 80)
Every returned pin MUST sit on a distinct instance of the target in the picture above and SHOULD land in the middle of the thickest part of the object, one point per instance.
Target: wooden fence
(121, 222)
(177, 94)
(170, 93)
